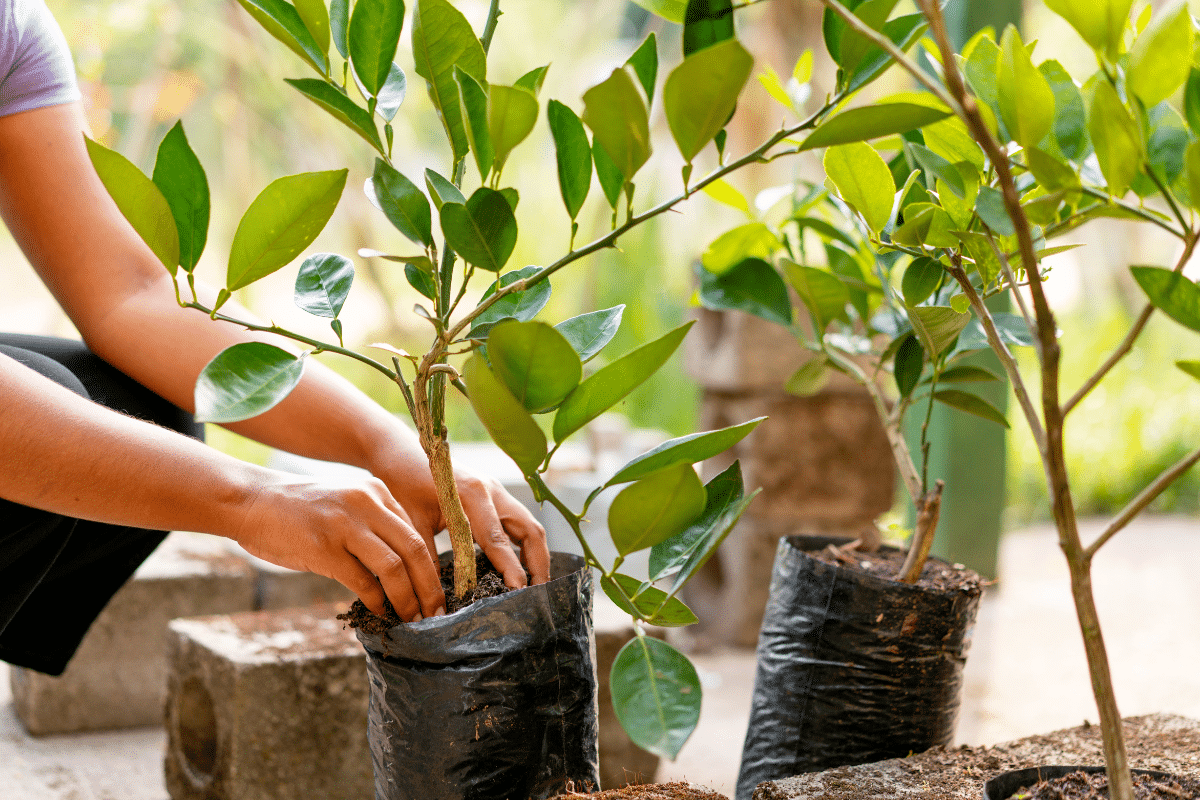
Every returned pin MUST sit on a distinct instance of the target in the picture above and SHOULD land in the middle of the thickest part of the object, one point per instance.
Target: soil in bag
(853, 667)
(1086, 783)
(496, 701)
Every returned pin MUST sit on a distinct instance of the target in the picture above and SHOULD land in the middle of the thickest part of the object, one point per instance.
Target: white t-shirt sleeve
(36, 69)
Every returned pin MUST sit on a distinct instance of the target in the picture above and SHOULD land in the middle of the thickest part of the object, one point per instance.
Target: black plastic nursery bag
(494, 702)
(851, 668)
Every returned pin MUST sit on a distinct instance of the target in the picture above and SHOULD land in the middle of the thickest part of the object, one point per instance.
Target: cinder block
(621, 761)
(265, 705)
(277, 588)
(117, 679)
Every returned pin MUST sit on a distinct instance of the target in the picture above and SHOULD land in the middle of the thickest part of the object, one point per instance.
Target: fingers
(490, 534)
(405, 564)
(527, 532)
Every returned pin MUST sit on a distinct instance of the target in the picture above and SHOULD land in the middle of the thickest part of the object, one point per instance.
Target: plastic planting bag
(496, 701)
(851, 668)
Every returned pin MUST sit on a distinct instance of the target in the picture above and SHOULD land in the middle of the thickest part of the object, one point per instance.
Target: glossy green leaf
(752, 240)
(484, 231)
(441, 190)
(511, 427)
(617, 115)
(950, 140)
(180, 177)
(283, 220)
(140, 202)
(512, 112)
(871, 122)
(609, 175)
(823, 294)
(573, 155)
(281, 19)
(609, 385)
(1051, 173)
(340, 106)
(1024, 95)
(532, 81)
(1161, 58)
(671, 556)
(688, 449)
(655, 691)
(1169, 140)
(1012, 329)
(908, 365)
(937, 326)
(810, 378)
(420, 280)
(981, 71)
(442, 39)
(589, 333)
(1191, 101)
(535, 362)
(647, 602)
(967, 374)
(752, 286)
(322, 284)
(863, 180)
(373, 36)
(939, 168)
(827, 232)
(920, 280)
(972, 404)
(645, 65)
(339, 25)
(473, 102)
(991, 209)
(1171, 293)
(853, 46)
(655, 508)
(245, 380)
(1101, 23)
(523, 305)
(701, 93)
(903, 31)
(392, 94)
(405, 206)
(1070, 114)
(1116, 138)
(1190, 367)
(1191, 171)
(706, 23)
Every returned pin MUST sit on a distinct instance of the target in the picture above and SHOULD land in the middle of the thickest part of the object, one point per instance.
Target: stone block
(621, 761)
(117, 678)
(732, 351)
(277, 588)
(265, 705)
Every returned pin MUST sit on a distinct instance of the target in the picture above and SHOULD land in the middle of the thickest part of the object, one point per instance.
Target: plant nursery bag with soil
(852, 668)
(496, 701)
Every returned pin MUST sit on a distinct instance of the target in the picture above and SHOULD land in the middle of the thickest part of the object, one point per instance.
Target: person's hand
(352, 531)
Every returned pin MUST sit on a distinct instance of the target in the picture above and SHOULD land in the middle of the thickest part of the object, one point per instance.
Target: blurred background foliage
(145, 63)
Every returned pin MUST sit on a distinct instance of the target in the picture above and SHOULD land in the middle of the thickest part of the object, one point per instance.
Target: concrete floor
(1026, 672)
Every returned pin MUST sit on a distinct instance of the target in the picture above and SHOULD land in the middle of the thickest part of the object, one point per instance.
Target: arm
(120, 297)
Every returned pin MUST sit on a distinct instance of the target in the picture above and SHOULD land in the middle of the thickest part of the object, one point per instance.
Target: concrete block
(621, 761)
(117, 679)
(277, 588)
(265, 705)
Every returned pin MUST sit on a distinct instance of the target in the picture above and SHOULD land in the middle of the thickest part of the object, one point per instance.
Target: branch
(1145, 498)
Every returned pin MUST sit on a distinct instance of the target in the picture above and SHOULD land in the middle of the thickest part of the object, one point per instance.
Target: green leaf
(823, 294)
(1191, 101)
(752, 240)
(601, 391)
(535, 362)
(645, 65)
(473, 101)
(442, 39)
(1171, 293)
(1012, 329)
(1051, 173)
(420, 280)
(1191, 169)
(670, 557)
(701, 93)
(1024, 95)
(484, 231)
(609, 175)
(826, 231)
(688, 449)
(339, 25)
(283, 220)
(853, 46)
(706, 23)
(655, 690)
(939, 168)
(752, 286)
(908, 365)
(863, 180)
(967, 374)
(140, 202)
(1101, 23)
(1116, 138)
(512, 112)
(655, 508)
(647, 602)
(245, 380)
(1190, 367)
(392, 94)
(970, 403)
(871, 122)
(589, 333)
(442, 191)
(180, 177)
(991, 209)
(532, 81)
(281, 19)
(617, 115)
(920, 280)
(573, 155)
(523, 305)
(903, 32)
(1070, 114)
(950, 140)
(937, 326)
(511, 427)
(323, 283)
(373, 37)
(670, 10)
(810, 378)
(1161, 57)
(402, 203)
(343, 109)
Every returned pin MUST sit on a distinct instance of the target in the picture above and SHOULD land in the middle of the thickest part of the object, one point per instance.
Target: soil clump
(649, 791)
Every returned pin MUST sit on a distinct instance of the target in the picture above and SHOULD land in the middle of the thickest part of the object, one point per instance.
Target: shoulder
(36, 69)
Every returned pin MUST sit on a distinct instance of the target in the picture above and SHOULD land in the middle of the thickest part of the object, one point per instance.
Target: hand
(352, 531)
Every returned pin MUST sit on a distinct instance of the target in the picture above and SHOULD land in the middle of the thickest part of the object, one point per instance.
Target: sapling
(996, 157)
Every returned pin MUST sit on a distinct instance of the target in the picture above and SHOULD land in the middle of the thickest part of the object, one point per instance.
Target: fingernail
(441, 612)
(418, 617)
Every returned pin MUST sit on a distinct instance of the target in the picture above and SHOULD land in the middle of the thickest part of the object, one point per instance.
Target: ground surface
(1026, 674)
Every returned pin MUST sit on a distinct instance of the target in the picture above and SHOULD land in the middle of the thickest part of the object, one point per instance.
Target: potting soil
(1081, 785)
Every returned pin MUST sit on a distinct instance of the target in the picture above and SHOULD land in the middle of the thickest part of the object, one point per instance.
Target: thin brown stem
(1144, 498)
(928, 510)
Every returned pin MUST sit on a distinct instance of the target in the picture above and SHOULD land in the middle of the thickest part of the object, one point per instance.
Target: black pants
(57, 573)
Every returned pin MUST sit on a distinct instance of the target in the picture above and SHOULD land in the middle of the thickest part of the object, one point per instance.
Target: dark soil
(649, 791)
(489, 584)
(1094, 786)
(937, 576)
